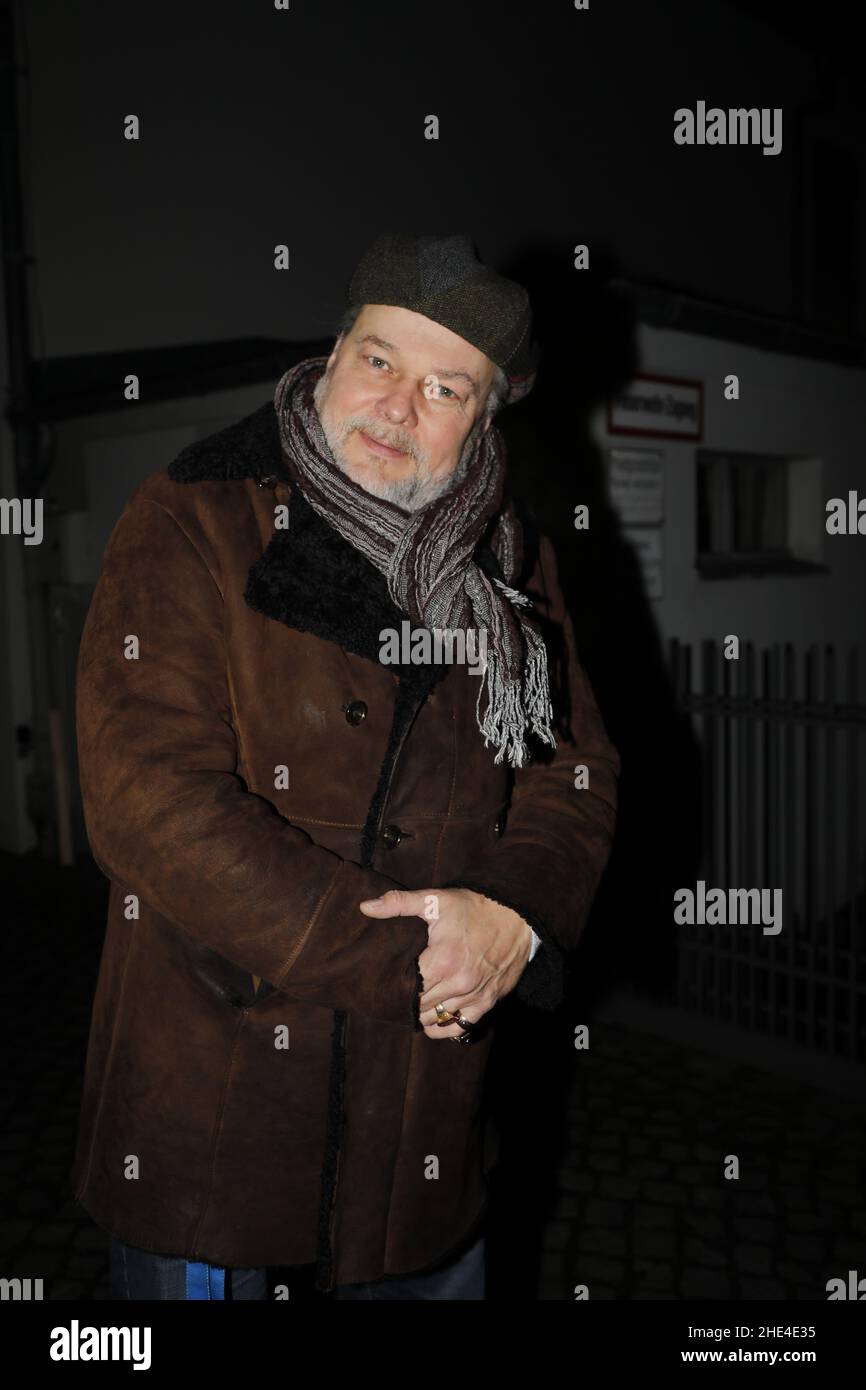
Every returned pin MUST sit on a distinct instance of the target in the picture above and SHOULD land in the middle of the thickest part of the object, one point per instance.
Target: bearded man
(327, 868)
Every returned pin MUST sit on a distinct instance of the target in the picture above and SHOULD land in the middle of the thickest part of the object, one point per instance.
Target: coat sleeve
(167, 814)
(548, 863)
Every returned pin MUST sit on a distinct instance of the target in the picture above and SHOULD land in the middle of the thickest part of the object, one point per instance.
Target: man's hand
(476, 950)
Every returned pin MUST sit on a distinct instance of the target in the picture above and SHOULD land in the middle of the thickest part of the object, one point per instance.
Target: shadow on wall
(588, 351)
(587, 337)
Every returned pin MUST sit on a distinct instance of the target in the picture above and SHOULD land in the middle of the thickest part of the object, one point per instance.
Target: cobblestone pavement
(636, 1205)
(643, 1210)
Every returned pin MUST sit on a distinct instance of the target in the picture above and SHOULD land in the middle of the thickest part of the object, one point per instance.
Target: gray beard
(413, 493)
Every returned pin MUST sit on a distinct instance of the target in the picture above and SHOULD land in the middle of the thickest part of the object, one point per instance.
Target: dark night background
(306, 127)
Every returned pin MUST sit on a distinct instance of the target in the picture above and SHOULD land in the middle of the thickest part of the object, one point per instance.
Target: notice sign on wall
(636, 485)
(658, 405)
(647, 542)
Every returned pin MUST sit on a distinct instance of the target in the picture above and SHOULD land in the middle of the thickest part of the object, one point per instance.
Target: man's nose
(397, 405)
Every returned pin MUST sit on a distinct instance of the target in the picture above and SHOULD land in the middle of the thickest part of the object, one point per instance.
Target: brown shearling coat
(233, 922)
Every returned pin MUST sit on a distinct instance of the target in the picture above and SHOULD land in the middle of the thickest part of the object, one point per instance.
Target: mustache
(355, 422)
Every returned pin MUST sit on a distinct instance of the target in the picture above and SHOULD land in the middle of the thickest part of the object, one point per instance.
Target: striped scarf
(426, 558)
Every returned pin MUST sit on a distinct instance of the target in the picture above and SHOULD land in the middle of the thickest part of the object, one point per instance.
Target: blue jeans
(141, 1274)
(463, 1278)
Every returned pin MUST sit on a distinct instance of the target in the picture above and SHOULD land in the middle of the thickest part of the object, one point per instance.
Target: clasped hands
(476, 950)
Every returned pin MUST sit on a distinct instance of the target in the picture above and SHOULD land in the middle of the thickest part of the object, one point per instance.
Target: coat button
(356, 711)
(392, 835)
(499, 825)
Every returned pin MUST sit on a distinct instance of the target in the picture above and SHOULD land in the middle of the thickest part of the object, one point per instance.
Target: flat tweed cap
(442, 278)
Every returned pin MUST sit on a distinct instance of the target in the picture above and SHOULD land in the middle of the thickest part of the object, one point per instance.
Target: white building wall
(787, 405)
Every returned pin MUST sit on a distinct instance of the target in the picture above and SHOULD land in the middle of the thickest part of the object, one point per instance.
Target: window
(757, 514)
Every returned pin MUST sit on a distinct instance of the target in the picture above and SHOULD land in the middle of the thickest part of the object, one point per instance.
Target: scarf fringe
(512, 704)
(514, 594)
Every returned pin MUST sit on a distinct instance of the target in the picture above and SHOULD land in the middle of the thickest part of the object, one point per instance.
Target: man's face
(390, 427)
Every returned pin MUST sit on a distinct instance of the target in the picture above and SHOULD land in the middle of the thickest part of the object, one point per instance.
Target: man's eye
(433, 384)
(378, 359)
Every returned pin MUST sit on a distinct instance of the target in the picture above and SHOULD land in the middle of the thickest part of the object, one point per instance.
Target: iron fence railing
(783, 738)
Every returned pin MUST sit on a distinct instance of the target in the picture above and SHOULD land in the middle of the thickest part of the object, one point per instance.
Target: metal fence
(783, 738)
